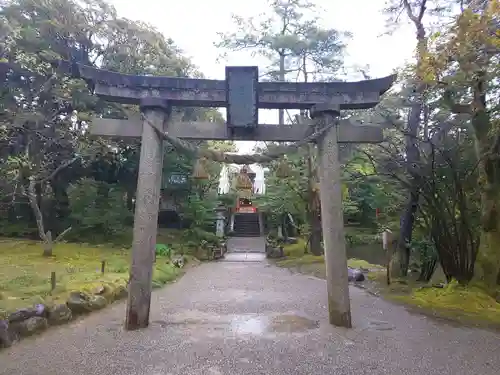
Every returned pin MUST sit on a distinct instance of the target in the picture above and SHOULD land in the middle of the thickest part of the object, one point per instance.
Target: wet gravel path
(251, 318)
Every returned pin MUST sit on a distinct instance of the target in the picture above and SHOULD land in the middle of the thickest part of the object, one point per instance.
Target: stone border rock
(29, 321)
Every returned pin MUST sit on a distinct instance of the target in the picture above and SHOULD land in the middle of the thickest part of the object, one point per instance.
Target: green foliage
(424, 249)
(227, 200)
(291, 33)
(361, 236)
(17, 230)
(365, 191)
(163, 250)
(197, 235)
(97, 208)
(286, 194)
(38, 137)
(199, 211)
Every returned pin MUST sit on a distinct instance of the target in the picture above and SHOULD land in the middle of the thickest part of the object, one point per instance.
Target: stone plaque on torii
(242, 95)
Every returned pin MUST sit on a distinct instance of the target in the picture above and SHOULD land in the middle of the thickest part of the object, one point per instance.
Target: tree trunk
(130, 198)
(48, 245)
(46, 237)
(313, 208)
(60, 211)
(315, 236)
(313, 217)
(284, 225)
(406, 231)
(413, 159)
(412, 150)
(427, 269)
(488, 260)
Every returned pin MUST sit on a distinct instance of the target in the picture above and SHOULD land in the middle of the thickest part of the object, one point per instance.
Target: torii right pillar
(332, 218)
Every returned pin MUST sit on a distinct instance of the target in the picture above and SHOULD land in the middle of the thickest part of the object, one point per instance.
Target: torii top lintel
(194, 92)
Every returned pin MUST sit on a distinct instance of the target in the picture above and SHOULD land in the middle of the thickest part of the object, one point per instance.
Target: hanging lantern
(243, 181)
(283, 170)
(200, 169)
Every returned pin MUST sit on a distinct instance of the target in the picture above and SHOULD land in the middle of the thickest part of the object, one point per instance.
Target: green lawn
(25, 274)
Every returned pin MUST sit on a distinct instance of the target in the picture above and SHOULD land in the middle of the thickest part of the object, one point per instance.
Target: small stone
(23, 314)
(59, 314)
(79, 303)
(497, 297)
(274, 252)
(178, 262)
(354, 274)
(100, 290)
(31, 326)
(98, 302)
(120, 292)
(5, 340)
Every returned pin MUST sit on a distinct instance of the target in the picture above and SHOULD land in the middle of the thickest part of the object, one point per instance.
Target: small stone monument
(220, 220)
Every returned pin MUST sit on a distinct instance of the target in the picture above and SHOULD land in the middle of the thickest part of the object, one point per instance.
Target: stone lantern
(220, 220)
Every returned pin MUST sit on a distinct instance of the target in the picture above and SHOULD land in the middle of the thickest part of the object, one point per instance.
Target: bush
(21, 229)
(163, 250)
(200, 235)
(361, 236)
(98, 210)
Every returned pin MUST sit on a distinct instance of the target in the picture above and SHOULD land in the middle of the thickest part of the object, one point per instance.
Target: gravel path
(251, 318)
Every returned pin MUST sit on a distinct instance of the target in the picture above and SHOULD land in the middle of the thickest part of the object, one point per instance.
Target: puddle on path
(380, 325)
(259, 325)
(246, 257)
(248, 324)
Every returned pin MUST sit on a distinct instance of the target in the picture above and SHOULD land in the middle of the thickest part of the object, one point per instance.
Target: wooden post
(387, 241)
(146, 215)
(52, 281)
(332, 219)
(103, 266)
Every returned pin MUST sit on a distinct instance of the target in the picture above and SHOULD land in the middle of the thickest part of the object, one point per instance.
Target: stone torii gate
(242, 95)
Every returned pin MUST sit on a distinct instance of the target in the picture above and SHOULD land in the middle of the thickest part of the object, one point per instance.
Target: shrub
(98, 210)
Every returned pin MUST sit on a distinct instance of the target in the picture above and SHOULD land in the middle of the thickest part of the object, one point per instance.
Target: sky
(194, 24)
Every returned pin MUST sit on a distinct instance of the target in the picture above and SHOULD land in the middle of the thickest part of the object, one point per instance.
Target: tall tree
(415, 11)
(297, 49)
(464, 63)
(44, 143)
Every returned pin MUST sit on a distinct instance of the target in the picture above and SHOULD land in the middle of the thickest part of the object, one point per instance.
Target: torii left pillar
(332, 217)
(147, 203)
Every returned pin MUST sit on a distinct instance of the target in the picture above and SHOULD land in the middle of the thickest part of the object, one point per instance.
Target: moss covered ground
(25, 275)
(314, 265)
(469, 305)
